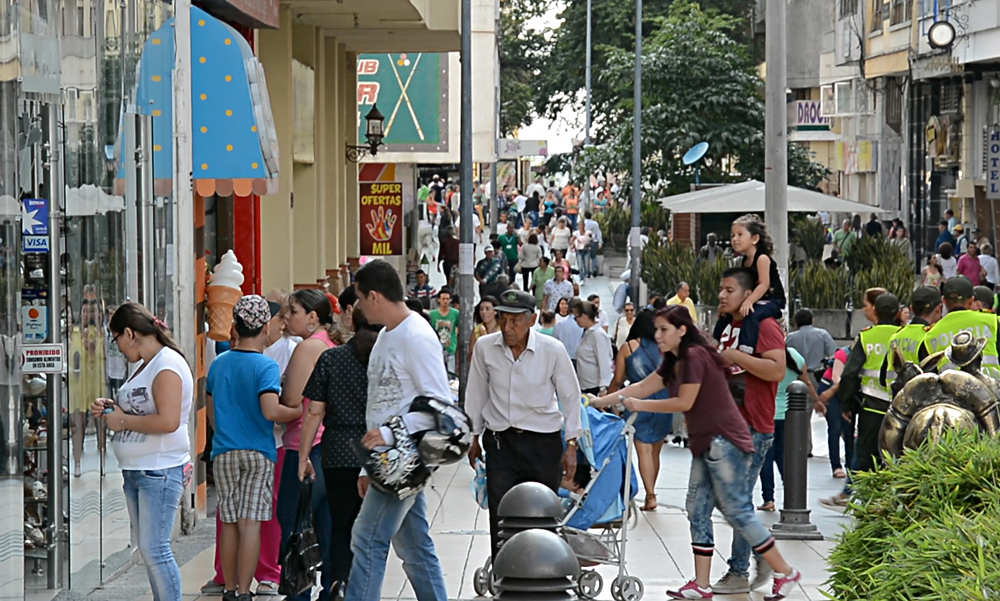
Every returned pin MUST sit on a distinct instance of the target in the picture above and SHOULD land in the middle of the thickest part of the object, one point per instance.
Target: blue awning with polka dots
(234, 143)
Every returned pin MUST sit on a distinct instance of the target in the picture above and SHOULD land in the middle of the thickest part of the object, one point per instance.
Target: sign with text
(381, 219)
(807, 115)
(35, 217)
(411, 90)
(42, 359)
(993, 162)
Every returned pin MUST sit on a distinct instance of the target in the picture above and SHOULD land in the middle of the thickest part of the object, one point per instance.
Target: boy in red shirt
(756, 373)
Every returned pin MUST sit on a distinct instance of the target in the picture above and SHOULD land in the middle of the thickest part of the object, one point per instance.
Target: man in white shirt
(597, 241)
(518, 382)
(989, 263)
(536, 187)
(405, 363)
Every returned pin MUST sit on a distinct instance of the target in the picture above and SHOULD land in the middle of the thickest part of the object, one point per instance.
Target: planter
(835, 321)
(858, 322)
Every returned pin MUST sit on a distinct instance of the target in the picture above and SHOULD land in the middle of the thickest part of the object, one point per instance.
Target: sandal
(650, 504)
(839, 473)
(266, 589)
(766, 506)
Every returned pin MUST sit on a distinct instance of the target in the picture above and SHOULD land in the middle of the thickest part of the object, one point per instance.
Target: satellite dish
(694, 155)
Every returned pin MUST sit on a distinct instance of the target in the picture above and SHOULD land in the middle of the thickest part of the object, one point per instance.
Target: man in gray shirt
(816, 345)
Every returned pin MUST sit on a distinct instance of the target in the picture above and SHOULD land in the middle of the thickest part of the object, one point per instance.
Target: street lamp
(374, 121)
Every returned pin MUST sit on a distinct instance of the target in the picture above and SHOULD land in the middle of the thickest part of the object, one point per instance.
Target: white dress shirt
(524, 393)
(593, 359)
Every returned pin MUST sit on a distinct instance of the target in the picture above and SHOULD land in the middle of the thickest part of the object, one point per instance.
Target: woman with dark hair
(593, 356)
(309, 316)
(152, 445)
(528, 258)
(338, 389)
(485, 318)
(637, 358)
(947, 261)
(721, 447)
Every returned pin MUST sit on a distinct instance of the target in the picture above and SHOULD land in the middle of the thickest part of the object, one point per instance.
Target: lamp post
(586, 135)
(466, 258)
(374, 134)
(776, 136)
(635, 243)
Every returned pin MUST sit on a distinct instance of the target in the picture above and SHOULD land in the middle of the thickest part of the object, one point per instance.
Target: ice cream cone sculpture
(223, 292)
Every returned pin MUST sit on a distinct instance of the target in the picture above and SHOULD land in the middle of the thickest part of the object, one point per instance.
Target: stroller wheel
(627, 588)
(481, 582)
(590, 584)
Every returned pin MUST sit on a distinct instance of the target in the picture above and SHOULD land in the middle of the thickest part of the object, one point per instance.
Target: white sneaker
(731, 584)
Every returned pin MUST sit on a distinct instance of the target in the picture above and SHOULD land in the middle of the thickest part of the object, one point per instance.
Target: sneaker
(229, 596)
(783, 585)
(211, 588)
(691, 590)
(732, 584)
(764, 573)
(837, 502)
(249, 597)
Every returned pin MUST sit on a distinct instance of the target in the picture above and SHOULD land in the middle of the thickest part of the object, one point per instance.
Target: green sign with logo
(411, 90)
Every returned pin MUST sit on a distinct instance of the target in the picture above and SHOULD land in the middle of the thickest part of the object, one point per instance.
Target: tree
(521, 48)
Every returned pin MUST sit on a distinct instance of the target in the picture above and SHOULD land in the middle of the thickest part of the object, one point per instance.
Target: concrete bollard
(794, 523)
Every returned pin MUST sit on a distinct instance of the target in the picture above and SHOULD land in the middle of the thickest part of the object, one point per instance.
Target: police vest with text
(908, 340)
(980, 325)
(875, 342)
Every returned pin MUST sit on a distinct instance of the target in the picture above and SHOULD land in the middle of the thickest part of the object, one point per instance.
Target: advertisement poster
(381, 219)
(35, 217)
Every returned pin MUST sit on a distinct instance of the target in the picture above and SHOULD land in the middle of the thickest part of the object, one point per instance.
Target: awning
(748, 197)
(234, 142)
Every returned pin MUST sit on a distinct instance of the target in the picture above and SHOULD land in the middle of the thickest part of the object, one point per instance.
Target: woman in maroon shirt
(720, 444)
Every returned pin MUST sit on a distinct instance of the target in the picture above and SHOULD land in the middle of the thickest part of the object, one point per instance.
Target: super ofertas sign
(381, 218)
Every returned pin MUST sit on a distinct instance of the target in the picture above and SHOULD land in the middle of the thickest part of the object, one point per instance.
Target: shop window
(878, 16)
(848, 8)
(901, 11)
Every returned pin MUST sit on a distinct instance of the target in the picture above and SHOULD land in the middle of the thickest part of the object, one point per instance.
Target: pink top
(971, 268)
(840, 355)
(290, 440)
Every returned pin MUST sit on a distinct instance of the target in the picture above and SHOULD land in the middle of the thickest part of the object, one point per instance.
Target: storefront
(87, 221)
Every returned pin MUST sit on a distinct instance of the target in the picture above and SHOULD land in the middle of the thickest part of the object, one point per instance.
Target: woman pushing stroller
(720, 443)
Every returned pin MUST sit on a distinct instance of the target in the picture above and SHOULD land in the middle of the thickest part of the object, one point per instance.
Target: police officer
(984, 299)
(959, 298)
(861, 389)
(925, 306)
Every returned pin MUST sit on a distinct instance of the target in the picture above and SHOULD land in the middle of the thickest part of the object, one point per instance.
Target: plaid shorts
(245, 481)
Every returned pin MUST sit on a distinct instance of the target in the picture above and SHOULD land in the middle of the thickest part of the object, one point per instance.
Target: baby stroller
(599, 515)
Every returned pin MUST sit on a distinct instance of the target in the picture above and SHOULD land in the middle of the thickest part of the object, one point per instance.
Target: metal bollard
(794, 523)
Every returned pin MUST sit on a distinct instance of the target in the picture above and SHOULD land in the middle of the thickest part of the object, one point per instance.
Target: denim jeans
(288, 504)
(719, 479)
(382, 520)
(152, 497)
(775, 456)
(583, 263)
(837, 428)
(739, 562)
(593, 258)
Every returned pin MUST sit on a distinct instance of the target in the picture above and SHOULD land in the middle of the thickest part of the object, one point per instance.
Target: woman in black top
(338, 394)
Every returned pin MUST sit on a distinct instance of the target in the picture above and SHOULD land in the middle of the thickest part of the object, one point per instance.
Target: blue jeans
(572, 220)
(593, 258)
(583, 263)
(719, 479)
(775, 456)
(404, 523)
(739, 561)
(152, 497)
(288, 504)
(838, 428)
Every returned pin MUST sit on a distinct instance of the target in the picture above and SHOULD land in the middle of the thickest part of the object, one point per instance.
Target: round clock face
(941, 34)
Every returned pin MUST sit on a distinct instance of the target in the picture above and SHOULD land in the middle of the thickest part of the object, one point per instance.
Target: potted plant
(826, 292)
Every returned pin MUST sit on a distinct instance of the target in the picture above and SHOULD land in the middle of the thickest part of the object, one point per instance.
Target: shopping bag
(478, 485)
(301, 558)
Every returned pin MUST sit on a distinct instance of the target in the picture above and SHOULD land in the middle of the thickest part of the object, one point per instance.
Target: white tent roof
(748, 197)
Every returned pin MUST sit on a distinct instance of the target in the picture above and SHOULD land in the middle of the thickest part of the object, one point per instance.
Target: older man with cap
(522, 393)
(960, 300)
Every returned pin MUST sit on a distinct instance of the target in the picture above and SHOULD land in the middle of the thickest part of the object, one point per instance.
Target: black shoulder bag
(301, 558)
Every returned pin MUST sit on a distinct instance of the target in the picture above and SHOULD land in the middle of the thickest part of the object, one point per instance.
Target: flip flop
(650, 504)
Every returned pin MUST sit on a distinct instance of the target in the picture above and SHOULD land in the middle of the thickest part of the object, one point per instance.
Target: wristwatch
(571, 442)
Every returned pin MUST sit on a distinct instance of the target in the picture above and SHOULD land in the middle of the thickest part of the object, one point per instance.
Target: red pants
(270, 539)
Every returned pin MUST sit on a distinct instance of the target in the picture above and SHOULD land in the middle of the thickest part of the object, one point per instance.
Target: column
(351, 177)
(346, 106)
(322, 158)
(305, 263)
(275, 53)
(333, 141)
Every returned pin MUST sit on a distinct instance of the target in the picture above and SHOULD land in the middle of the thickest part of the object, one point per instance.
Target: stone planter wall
(835, 321)
(858, 322)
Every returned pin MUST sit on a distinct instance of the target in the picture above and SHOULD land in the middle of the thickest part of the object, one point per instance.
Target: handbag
(301, 558)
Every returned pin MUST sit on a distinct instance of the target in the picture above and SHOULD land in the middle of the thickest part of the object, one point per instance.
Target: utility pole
(465, 256)
(586, 135)
(494, 196)
(633, 238)
(775, 136)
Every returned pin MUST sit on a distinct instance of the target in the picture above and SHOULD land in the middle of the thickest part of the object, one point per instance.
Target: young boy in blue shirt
(243, 390)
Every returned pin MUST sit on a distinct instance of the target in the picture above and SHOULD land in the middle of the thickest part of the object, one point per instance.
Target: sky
(569, 124)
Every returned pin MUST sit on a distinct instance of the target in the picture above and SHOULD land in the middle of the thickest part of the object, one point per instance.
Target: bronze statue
(926, 403)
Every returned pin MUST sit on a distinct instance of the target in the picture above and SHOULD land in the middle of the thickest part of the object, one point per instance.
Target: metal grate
(848, 8)
(950, 98)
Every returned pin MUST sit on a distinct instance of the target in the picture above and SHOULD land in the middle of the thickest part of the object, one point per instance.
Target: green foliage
(810, 234)
(520, 48)
(874, 263)
(654, 217)
(666, 265)
(615, 224)
(803, 171)
(820, 288)
(926, 526)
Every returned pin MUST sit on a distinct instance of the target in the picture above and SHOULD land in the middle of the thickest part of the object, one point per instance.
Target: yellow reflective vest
(982, 325)
(875, 342)
(908, 340)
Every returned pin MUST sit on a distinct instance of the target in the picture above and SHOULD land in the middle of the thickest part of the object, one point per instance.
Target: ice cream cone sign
(223, 292)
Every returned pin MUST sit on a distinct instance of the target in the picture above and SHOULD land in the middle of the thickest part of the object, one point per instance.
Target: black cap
(958, 288)
(984, 295)
(516, 301)
(927, 296)
(274, 307)
(886, 303)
